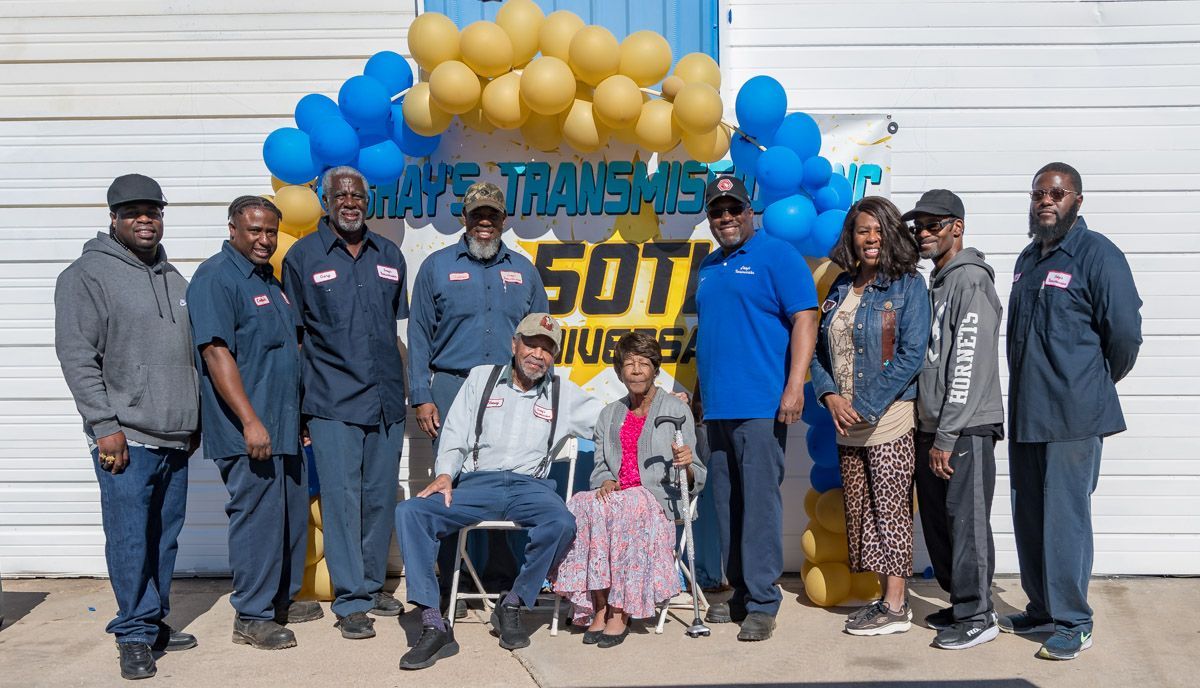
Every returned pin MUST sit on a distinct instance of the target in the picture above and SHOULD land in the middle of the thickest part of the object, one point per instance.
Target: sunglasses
(931, 227)
(1056, 194)
(734, 210)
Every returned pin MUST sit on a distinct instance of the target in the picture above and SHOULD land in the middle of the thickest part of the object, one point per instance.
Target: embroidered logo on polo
(511, 277)
(319, 277)
(262, 300)
(495, 402)
(460, 276)
(745, 270)
(388, 273)
(1054, 278)
(543, 413)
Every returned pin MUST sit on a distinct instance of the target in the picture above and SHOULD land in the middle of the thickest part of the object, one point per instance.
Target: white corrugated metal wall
(984, 92)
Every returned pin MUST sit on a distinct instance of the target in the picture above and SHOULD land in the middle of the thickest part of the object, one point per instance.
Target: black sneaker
(863, 610)
(385, 604)
(941, 619)
(1025, 624)
(880, 620)
(964, 634)
(136, 661)
(506, 623)
(434, 644)
(1065, 644)
(356, 626)
(757, 626)
(171, 640)
(724, 612)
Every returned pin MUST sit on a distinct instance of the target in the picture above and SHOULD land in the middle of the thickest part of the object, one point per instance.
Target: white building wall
(984, 93)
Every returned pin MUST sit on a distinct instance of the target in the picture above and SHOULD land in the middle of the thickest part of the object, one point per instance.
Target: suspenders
(493, 377)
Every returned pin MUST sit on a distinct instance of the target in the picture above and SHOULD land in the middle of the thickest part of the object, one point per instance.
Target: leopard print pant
(877, 484)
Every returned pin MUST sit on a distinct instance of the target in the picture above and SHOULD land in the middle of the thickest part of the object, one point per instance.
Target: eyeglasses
(1056, 194)
(931, 227)
(734, 210)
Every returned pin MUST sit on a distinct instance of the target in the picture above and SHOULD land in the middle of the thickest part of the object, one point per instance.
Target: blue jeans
(142, 510)
(268, 530)
(485, 496)
(359, 469)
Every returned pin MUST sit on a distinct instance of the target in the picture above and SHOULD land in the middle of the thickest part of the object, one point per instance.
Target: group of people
(258, 368)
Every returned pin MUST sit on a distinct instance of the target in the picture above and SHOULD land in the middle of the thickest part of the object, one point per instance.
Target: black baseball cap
(726, 186)
(938, 202)
(129, 188)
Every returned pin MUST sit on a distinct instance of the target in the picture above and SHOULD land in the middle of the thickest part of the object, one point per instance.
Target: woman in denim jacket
(872, 340)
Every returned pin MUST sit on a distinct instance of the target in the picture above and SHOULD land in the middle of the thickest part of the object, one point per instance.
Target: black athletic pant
(956, 518)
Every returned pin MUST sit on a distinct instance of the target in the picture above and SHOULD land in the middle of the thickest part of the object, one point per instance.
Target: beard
(1049, 235)
(483, 250)
(534, 373)
(351, 227)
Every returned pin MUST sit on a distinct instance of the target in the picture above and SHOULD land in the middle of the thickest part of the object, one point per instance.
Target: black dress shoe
(299, 612)
(592, 637)
(607, 640)
(136, 661)
(434, 644)
(757, 626)
(724, 612)
(385, 604)
(506, 623)
(171, 640)
(356, 626)
(262, 634)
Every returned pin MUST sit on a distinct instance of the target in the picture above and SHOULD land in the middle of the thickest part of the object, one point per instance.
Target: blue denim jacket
(877, 384)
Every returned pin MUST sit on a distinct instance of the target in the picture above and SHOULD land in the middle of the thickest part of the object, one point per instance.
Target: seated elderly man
(492, 464)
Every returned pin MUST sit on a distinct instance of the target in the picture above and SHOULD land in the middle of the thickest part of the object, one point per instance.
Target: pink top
(631, 429)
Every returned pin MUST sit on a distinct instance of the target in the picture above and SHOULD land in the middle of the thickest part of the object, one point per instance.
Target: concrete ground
(54, 636)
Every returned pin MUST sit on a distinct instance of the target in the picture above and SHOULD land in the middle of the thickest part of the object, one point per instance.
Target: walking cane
(697, 628)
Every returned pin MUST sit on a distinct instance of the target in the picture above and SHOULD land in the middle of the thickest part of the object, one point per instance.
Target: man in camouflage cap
(466, 303)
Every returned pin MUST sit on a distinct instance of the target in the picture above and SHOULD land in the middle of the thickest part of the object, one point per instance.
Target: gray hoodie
(123, 338)
(959, 386)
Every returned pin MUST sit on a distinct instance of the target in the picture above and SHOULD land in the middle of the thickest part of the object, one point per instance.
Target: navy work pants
(421, 522)
(745, 472)
(142, 510)
(268, 528)
(1052, 486)
(359, 470)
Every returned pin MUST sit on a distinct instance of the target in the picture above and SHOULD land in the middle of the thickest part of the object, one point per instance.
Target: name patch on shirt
(261, 300)
(543, 413)
(319, 277)
(828, 305)
(1054, 278)
(388, 273)
(495, 402)
(460, 276)
(511, 277)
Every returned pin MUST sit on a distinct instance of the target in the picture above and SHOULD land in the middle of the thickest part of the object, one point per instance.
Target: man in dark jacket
(961, 417)
(123, 340)
(1074, 331)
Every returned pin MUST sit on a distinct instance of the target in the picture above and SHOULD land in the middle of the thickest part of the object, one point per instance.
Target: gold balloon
(454, 87)
(316, 547)
(487, 49)
(314, 511)
(645, 57)
(864, 586)
(554, 38)
(698, 67)
(618, 102)
(548, 86)
(827, 584)
(543, 132)
(421, 114)
(285, 242)
(824, 274)
(626, 135)
(698, 108)
(581, 130)
(316, 584)
(710, 146)
(656, 129)
(476, 120)
(671, 87)
(831, 511)
(805, 567)
(502, 103)
(433, 39)
(522, 21)
(300, 207)
(810, 503)
(821, 545)
(595, 54)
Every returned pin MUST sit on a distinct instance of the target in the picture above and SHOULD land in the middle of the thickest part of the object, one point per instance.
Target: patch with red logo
(828, 305)
(460, 276)
(319, 277)
(388, 273)
(547, 323)
(262, 300)
(495, 402)
(543, 413)
(1054, 278)
(725, 184)
(511, 277)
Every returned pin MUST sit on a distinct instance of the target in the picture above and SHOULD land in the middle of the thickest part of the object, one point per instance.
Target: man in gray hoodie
(961, 417)
(125, 346)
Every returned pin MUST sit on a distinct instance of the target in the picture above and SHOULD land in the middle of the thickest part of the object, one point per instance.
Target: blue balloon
(800, 133)
(364, 102)
(825, 232)
(790, 219)
(760, 106)
(768, 196)
(413, 144)
(391, 70)
(821, 441)
(844, 191)
(288, 155)
(744, 154)
(779, 170)
(825, 478)
(334, 141)
(816, 173)
(826, 198)
(313, 108)
(813, 412)
(381, 163)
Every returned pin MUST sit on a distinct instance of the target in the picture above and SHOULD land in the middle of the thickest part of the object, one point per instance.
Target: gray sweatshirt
(959, 386)
(123, 338)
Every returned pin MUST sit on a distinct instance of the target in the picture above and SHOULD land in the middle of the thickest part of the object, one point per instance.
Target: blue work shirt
(1074, 330)
(349, 307)
(464, 312)
(242, 305)
(745, 302)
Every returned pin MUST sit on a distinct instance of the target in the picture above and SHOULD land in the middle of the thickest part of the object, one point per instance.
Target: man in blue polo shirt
(348, 286)
(1074, 330)
(245, 332)
(757, 309)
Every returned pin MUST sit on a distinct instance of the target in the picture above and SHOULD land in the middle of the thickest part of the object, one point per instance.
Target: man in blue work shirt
(757, 309)
(467, 300)
(1074, 331)
(246, 334)
(348, 286)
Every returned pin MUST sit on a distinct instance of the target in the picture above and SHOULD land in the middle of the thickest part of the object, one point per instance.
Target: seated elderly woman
(622, 563)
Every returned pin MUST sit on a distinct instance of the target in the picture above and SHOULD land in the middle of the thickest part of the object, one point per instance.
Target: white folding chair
(681, 566)
(570, 449)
